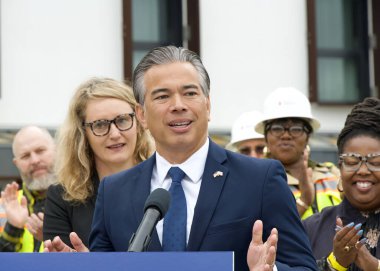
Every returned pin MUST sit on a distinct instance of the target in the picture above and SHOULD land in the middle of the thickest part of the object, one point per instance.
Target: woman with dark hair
(345, 237)
(287, 126)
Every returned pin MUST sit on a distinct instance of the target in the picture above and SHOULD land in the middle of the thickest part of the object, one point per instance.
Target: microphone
(155, 208)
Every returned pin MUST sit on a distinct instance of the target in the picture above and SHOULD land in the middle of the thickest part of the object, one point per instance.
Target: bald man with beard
(33, 150)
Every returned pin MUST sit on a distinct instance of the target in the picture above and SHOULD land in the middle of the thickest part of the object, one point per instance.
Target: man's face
(34, 154)
(252, 147)
(176, 111)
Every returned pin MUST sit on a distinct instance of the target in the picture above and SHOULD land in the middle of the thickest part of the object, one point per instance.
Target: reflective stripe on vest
(326, 192)
(27, 240)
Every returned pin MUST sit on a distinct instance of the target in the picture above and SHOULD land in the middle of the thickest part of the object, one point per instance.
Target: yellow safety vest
(325, 183)
(27, 240)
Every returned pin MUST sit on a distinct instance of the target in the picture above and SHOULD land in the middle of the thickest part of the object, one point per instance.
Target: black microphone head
(158, 199)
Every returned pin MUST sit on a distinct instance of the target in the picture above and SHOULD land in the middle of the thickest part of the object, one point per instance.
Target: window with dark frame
(338, 43)
(151, 23)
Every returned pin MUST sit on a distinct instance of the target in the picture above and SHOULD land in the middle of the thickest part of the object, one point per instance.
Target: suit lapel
(213, 180)
(140, 194)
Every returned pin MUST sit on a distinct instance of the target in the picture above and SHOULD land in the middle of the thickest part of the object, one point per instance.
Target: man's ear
(208, 107)
(140, 115)
(16, 162)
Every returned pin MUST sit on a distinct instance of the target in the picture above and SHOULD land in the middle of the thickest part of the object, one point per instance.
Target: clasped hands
(348, 247)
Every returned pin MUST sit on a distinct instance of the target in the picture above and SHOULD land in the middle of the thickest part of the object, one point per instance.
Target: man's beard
(41, 183)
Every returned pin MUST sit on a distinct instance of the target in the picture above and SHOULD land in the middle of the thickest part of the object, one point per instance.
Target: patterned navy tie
(174, 233)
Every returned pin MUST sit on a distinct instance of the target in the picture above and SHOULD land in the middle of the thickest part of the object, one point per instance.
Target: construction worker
(244, 139)
(287, 125)
(34, 151)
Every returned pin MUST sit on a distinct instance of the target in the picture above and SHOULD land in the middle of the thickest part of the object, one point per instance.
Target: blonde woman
(100, 136)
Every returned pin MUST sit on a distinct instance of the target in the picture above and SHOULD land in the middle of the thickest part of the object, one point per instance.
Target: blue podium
(110, 261)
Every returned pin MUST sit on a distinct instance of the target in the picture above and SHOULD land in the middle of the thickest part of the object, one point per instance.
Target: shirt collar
(193, 166)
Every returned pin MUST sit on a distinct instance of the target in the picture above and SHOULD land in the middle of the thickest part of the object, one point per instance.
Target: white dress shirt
(193, 168)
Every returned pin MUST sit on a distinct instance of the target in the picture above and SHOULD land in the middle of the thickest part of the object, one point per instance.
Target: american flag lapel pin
(217, 174)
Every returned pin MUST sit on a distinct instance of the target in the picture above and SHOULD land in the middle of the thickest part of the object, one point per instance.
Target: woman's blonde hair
(75, 165)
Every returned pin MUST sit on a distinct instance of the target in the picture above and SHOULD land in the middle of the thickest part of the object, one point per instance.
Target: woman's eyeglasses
(102, 127)
(278, 130)
(353, 161)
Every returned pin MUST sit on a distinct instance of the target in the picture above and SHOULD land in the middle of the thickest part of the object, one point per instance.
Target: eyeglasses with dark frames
(278, 130)
(352, 162)
(102, 127)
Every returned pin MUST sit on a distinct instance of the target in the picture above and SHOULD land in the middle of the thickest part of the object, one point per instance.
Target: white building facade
(250, 47)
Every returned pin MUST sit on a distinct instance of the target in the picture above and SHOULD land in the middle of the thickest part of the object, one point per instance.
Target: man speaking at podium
(216, 195)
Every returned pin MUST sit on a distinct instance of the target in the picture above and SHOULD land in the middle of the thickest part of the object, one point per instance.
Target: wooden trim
(127, 38)
(312, 50)
(193, 22)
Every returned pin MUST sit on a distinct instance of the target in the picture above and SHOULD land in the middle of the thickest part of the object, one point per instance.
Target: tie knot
(176, 174)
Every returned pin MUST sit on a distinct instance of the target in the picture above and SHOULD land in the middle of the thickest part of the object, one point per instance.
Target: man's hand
(57, 245)
(16, 212)
(262, 256)
(34, 225)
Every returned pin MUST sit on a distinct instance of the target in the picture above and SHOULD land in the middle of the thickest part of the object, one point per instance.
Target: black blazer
(62, 217)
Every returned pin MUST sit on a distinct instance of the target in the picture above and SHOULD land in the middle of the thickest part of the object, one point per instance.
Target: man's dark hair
(167, 55)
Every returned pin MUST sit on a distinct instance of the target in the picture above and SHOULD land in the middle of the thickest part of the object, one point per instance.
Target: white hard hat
(244, 127)
(287, 103)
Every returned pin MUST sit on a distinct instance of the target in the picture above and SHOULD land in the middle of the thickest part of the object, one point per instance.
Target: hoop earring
(340, 186)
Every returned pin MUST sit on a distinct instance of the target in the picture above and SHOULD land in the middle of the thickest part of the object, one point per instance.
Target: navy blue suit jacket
(225, 211)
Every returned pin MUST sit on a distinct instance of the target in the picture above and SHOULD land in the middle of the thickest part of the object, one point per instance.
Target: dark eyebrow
(165, 90)
(159, 90)
(190, 86)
